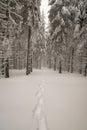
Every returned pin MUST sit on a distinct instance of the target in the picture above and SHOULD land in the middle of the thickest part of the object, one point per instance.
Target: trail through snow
(39, 112)
(44, 100)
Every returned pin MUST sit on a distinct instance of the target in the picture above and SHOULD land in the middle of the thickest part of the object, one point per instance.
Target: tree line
(24, 42)
(21, 32)
(67, 36)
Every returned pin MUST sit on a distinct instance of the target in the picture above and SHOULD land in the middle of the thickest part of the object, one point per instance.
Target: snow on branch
(16, 3)
(13, 21)
(2, 7)
(59, 2)
(2, 15)
(3, 4)
(65, 10)
(16, 14)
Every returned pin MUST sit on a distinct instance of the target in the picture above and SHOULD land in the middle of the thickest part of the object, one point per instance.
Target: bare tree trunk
(72, 59)
(85, 71)
(2, 66)
(60, 67)
(80, 70)
(68, 63)
(6, 68)
(28, 70)
(55, 62)
(31, 65)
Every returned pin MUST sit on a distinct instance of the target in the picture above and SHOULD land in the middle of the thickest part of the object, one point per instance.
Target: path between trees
(44, 100)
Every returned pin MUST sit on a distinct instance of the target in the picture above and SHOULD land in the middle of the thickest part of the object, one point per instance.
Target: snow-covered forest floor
(62, 96)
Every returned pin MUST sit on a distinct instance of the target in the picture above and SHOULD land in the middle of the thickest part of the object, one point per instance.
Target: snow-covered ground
(46, 99)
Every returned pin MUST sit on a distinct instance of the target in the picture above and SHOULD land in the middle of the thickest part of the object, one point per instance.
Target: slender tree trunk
(67, 60)
(31, 65)
(55, 60)
(15, 62)
(60, 67)
(6, 68)
(28, 70)
(3, 66)
(80, 70)
(85, 71)
(72, 59)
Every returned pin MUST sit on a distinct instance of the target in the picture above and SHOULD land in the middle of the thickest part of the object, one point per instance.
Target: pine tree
(80, 34)
(20, 18)
(8, 15)
(30, 20)
(39, 43)
(67, 22)
(60, 20)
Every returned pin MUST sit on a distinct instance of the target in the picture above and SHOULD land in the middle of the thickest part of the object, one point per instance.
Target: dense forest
(25, 44)
(67, 39)
(19, 24)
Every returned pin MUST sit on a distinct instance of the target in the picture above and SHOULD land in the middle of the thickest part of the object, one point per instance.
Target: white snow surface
(59, 100)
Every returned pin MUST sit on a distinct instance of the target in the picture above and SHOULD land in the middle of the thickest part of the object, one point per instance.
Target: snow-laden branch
(2, 15)
(2, 7)
(16, 3)
(13, 21)
(1, 3)
(16, 14)
(65, 11)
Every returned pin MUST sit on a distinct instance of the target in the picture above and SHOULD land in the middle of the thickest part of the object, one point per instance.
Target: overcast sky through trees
(45, 8)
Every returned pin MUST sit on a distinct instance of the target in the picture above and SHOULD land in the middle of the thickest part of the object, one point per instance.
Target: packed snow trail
(44, 99)
(39, 112)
